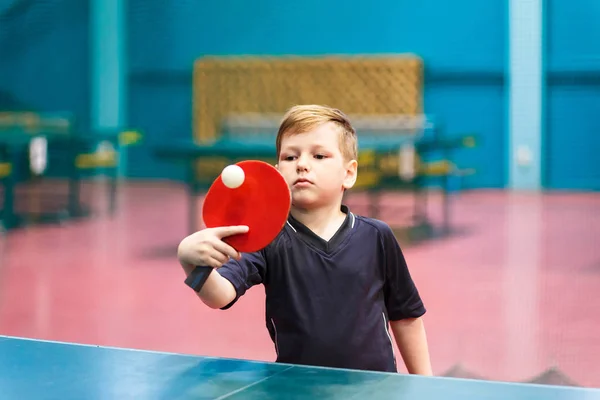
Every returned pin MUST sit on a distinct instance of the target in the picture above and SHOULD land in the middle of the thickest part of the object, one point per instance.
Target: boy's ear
(351, 174)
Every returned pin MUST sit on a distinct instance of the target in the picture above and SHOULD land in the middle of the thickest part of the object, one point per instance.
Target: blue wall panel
(460, 34)
(572, 139)
(462, 42)
(44, 45)
(163, 112)
(475, 109)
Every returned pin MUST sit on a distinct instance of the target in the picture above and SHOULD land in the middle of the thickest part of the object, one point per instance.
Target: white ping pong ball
(232, 176)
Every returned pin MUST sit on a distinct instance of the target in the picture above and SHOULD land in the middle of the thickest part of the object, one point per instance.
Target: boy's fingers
(218, 256)
(226, 249)
(214, 263)
(224, 231)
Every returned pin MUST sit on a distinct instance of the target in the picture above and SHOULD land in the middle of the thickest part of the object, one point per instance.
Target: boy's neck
(323, 221)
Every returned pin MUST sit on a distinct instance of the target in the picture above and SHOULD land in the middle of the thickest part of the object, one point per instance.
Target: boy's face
(314, 167)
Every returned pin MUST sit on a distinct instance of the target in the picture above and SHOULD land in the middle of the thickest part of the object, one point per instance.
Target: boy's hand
(206, 248)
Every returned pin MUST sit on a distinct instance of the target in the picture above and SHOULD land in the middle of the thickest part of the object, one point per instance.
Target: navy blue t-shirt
(328, 303)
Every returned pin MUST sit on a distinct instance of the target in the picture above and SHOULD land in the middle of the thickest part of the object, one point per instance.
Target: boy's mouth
(302, 182)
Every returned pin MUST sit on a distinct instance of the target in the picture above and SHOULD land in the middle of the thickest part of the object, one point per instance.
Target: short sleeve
(244, 274)
(402, 298)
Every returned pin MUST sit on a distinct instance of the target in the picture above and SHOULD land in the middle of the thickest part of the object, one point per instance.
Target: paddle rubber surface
(262, 202)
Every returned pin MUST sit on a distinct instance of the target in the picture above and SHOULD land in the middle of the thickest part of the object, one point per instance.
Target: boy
(334, 281)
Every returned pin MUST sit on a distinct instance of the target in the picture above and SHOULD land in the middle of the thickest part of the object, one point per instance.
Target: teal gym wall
(47, 63)
(572, 131)
(464, 56)
(44, 60)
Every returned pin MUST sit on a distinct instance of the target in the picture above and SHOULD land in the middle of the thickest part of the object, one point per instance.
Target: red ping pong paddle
(262, 202)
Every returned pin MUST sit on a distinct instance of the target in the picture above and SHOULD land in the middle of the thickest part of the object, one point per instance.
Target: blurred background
(479, 135)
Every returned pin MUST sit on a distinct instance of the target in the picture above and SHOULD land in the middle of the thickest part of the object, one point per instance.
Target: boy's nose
(301, 168)
(302, 164)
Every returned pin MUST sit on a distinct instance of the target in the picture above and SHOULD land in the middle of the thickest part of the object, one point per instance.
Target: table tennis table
(374, 152)
(72, 155)
(36, 369)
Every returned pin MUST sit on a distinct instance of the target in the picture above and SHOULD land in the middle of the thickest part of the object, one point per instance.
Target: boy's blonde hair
(302, 118)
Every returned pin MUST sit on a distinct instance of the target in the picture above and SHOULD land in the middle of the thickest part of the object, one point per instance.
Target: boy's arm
(226, 284)
(216, 292)
(218, 273)
(404, 306)
(412, 342)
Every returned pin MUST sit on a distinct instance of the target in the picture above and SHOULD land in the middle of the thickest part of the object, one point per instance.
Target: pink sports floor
(514, 295)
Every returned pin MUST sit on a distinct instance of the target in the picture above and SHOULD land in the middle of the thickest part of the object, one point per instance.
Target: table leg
(192, 198)
(9, 217)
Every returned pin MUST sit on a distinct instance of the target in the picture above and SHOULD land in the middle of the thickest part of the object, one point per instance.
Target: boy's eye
(320, 156)
(289, 158)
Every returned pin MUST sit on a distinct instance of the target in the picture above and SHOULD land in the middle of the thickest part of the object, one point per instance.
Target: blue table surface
(32, 369)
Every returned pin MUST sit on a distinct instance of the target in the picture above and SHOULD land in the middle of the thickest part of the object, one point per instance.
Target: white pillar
(108, 67)
(526, 94)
